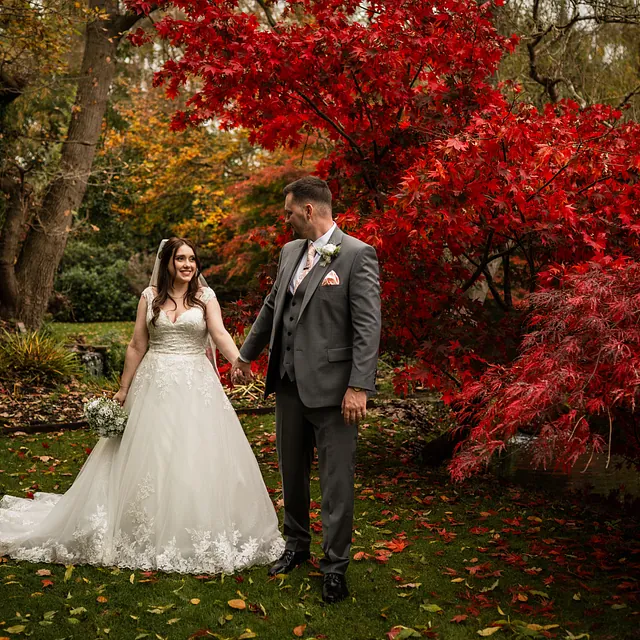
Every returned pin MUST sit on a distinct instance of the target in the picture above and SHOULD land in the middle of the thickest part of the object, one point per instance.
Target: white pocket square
(331, 279)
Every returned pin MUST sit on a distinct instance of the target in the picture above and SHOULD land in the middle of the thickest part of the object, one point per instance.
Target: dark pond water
(620, 476)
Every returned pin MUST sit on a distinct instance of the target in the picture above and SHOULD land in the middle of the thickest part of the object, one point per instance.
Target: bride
(181, 490)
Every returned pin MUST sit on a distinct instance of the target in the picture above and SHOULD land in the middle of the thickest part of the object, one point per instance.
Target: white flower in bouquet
(105, 417)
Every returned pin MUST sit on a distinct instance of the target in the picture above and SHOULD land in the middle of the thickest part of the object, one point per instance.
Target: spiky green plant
(35, 358)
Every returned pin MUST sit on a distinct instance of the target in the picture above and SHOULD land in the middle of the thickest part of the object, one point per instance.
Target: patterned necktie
(311, 252)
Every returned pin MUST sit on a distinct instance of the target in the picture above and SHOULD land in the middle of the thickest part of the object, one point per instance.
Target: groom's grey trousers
(298, 428)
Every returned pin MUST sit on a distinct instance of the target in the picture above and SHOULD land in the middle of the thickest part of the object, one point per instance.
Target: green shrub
(91, 256)
(34, 358)
(92, 281)
(116, 343)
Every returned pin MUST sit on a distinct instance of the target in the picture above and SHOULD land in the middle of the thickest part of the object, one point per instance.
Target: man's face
(295, 215)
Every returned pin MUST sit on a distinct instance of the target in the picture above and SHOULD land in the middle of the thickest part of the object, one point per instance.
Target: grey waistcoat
(292, 306)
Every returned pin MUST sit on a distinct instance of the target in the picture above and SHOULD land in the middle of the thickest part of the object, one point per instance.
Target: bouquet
(106, 418)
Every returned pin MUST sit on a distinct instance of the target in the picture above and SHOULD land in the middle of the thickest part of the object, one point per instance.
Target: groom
(321, 321)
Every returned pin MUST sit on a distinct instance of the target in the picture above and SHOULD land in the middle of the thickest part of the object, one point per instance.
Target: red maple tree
(473, 199)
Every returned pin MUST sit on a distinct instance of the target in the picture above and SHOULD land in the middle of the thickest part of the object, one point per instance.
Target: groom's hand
(354, 405)
(241, 371)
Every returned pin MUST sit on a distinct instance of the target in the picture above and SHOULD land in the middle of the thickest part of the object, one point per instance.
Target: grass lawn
(445, 561)
(94, 333)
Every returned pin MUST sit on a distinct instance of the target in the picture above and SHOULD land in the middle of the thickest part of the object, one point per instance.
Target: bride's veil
(153, 282)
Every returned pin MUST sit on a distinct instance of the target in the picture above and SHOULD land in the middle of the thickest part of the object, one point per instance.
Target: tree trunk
(15, 216)
(50, 224)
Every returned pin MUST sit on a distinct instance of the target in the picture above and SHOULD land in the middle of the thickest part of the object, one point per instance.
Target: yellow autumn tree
(169, 182)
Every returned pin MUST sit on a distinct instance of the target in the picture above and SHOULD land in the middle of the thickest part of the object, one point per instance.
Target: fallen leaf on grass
(431, 608)
(382, 555)
(163, 609)
(102, 599)
(491, 588)
(43, 572)
(237, 604)
(19, 628)
(542, 627)
(68, 572)
(247, 634)
(47, 583)
(396, 545)
(489, 631)
(401, 633)
(173, 620)
(459, 618)
(196, 601)
(299, 630)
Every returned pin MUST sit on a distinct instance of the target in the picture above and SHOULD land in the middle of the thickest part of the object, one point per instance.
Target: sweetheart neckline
(166, 315)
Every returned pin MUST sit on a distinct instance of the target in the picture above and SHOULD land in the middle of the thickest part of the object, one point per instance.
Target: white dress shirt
(318, 244)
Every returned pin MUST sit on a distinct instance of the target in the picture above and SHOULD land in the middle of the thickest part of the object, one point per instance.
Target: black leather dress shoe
(288, 561)
(334, 588)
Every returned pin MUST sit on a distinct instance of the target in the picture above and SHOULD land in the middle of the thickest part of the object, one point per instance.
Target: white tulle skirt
(181, 491)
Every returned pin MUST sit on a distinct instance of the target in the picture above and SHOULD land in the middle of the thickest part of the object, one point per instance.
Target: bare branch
(625, 100)
(548, 33)
(506, 282)
(332, 123)
(267, 12)
(494, 290)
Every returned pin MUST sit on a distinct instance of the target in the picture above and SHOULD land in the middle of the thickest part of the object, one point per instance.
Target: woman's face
(183, 265)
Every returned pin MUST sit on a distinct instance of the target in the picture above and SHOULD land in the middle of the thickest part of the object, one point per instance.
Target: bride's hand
(121, 396)
(241, 372)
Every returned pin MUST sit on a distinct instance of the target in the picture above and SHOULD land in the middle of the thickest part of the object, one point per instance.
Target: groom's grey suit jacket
(337, 333)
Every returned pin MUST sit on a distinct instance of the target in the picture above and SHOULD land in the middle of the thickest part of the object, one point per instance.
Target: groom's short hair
(310, 189)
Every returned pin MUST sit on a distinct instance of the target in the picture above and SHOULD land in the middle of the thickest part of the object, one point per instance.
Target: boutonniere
(328, 253)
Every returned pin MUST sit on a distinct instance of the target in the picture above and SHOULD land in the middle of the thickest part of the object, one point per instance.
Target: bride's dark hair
(165, 279)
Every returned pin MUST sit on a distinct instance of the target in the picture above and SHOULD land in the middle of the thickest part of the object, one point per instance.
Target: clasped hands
(241, 372)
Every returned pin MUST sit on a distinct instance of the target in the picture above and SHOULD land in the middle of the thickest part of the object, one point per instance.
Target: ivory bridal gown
(181, 491)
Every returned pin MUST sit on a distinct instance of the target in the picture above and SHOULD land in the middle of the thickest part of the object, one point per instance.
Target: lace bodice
(186, 336)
